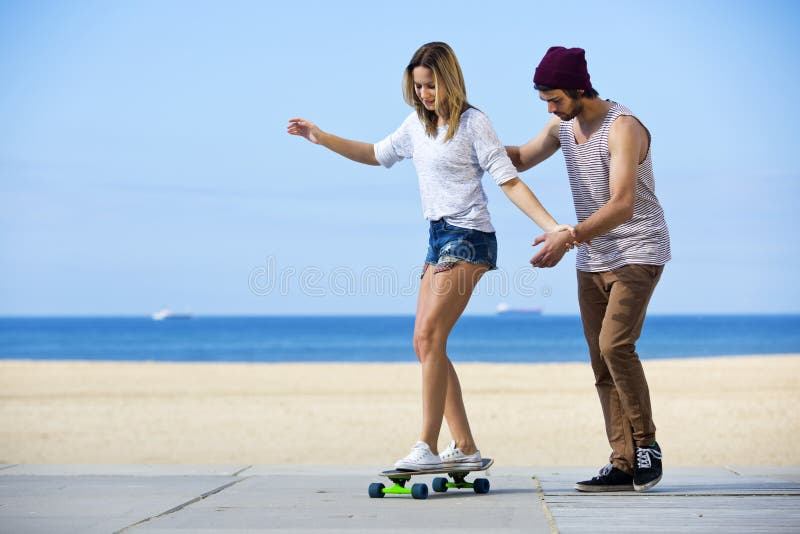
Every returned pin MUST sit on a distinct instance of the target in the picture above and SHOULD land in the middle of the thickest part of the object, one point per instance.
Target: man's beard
(575, 112)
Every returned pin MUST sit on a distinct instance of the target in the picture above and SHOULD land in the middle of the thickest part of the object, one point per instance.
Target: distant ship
(505, 309)
(166, 313)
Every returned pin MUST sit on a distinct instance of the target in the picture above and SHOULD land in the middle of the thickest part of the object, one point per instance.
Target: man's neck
(589, 120)
(594, 111)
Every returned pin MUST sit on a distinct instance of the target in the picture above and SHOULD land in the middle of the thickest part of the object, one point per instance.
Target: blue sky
(145, 162)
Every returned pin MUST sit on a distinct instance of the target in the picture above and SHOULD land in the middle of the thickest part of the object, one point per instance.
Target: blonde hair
(441, 59)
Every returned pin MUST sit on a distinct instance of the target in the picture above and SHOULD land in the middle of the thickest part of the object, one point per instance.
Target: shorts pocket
(453, 229)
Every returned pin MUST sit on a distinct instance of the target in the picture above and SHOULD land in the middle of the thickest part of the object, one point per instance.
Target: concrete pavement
(241, 498)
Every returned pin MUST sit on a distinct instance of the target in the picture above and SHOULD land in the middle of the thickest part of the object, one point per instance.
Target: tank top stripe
(645, 238)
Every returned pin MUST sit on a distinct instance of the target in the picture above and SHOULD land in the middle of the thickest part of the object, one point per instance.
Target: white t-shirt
(450, 173)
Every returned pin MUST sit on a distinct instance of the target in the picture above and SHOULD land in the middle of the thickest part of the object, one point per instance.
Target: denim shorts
(449, 245)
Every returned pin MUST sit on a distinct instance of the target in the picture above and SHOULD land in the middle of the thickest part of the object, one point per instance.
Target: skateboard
(400, 477)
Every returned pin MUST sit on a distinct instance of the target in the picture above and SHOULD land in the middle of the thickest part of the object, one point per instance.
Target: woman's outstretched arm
(522, 197)
(355, 150)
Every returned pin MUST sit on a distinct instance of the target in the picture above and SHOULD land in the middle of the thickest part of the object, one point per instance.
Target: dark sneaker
(647, 469)
(609, 479)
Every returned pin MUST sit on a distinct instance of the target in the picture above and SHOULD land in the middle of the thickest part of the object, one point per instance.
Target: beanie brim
(560, 79)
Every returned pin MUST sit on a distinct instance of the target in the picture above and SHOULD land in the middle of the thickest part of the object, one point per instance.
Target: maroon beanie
(563, 68)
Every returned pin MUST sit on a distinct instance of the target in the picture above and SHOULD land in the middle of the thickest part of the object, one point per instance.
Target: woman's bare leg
(442, 299)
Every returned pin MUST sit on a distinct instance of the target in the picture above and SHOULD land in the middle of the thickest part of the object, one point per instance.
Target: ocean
(377, 338)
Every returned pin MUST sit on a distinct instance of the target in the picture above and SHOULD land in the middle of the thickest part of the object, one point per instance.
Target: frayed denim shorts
(449, 245)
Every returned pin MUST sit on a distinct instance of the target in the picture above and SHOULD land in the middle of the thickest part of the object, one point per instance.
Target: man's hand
(574, 241)
(556, 244)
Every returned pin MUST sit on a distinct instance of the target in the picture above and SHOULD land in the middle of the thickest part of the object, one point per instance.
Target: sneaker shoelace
(451, 454)
(417, 454)
(606, 469)
(643, 457)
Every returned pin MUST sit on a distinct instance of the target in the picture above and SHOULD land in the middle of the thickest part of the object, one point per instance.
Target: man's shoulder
(625, 124)
(553, 127)
(618, 109)
(621, 112)
(627, 130)
(626, 121)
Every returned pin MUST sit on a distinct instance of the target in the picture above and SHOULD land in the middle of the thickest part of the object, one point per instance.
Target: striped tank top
(645, 238)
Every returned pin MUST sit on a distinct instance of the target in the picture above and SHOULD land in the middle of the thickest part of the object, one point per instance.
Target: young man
(623, 246)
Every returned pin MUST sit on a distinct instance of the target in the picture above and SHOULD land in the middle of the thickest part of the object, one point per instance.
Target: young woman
(451, 144)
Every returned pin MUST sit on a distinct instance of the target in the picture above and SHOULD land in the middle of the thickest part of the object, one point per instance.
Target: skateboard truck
(441, 484)
(417, 491)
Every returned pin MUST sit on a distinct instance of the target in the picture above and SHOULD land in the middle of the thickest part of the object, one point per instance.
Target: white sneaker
(453, 457)
(420, 459)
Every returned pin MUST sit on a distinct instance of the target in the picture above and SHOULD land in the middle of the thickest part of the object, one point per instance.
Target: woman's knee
(427, 341)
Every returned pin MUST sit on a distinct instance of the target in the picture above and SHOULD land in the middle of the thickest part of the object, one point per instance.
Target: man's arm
(538, 149)
(627, 141)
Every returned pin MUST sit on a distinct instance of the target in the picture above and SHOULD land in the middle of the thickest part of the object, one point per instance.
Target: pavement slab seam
(183, 505)
(543, 501)
(242, 470)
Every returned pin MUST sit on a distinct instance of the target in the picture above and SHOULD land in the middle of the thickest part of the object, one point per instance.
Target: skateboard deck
(457, 480)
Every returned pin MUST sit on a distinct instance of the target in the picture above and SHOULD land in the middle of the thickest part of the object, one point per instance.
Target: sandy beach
(714, 411)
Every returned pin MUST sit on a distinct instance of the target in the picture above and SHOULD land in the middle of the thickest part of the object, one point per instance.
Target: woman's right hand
(304, 128)
(355, 150)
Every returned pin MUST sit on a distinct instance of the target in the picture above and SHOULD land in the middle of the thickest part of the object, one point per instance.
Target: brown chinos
(613, 307)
